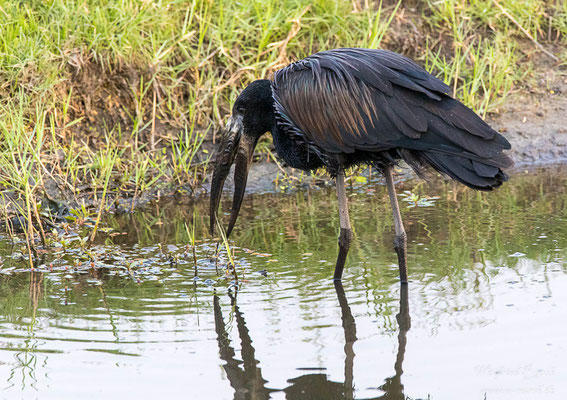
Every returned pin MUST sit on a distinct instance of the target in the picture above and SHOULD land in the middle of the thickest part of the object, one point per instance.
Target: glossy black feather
(360, 105)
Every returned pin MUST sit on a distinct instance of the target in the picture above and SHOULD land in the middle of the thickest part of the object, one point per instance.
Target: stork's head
(252, 116)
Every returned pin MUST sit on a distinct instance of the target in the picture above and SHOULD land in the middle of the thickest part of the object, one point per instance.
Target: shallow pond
(484, 316)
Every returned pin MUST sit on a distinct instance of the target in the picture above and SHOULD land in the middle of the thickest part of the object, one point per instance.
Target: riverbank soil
(535, 119)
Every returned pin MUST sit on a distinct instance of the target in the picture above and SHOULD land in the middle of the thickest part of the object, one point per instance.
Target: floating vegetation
(415, 200)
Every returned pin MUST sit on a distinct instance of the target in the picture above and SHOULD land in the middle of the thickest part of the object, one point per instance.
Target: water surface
(484, 316)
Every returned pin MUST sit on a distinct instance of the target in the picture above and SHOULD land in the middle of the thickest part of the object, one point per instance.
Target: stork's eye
(240, 109)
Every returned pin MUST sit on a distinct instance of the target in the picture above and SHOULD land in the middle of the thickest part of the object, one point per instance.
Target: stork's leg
(400, 242)
(345, 236)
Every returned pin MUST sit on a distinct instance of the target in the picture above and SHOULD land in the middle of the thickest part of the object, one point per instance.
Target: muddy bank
(535, 121)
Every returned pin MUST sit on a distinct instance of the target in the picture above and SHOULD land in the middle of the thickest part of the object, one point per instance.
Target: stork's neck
(294, 150)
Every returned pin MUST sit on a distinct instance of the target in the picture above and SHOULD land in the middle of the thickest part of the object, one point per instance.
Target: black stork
(350, 106)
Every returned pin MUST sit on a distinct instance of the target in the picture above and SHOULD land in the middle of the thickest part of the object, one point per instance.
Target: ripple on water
(484, 311)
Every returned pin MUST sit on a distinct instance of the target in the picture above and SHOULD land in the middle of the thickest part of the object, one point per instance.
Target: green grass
(488, 52)
(167, 72)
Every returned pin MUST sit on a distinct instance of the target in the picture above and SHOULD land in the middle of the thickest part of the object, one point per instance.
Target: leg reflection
(246, 377)
(393, 387)
(349, 328)
(318, 386)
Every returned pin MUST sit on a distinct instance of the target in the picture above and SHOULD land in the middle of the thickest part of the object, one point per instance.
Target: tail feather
(459, 144)
(486, 171)
(472, 173)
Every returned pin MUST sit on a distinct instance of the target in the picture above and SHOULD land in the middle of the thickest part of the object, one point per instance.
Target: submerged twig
(192, 239)
(38, 218)
(228, 251)
(217, 259)
(103, 199)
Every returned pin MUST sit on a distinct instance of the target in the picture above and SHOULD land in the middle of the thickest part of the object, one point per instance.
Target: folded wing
(349, 100)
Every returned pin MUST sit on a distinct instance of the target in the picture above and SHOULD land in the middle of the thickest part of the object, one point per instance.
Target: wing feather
(346, 100)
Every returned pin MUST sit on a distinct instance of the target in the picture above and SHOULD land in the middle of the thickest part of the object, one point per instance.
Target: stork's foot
(401, 245)
(345, 238)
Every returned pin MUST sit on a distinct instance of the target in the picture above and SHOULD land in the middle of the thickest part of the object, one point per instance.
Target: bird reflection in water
(246, 377)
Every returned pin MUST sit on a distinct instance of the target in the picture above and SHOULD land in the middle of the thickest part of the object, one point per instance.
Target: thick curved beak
(235, 147)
